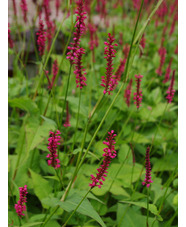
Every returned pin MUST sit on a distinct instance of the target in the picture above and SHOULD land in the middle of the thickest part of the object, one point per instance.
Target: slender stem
(66, 94)
(148, 190)
(77, 207)
(77, 121)
(49, 217)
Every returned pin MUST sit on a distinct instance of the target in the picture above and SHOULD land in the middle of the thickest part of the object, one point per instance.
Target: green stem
(148, 189)
(49, 217)
(77, 121)
(66, 94)
(77, 207)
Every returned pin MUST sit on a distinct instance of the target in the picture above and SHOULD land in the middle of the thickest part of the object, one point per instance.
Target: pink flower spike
(168, 71)
(14, 7)
(147, 180)
(10, 41)
(80, 29)
(20, 206)
(24, 9)
(41, 38)
(138, 93)
(109, 154)
(109, 82)
(170, 90)
(162, 52)
(79, 71)
(52, 147)
(127, 93)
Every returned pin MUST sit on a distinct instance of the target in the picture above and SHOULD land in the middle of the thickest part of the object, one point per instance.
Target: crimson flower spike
(142, 43)
(41, 38)
(109, 154)
(10, 41)
(109, 81)
(24, 9)
(14, 7)
(170, 90)
(20, 206)
(147, 181)
(67, 122)
(80, 28)
(138, 93)
(127, 93)
(168, 71)
(52, 147)
(162, 52)
(79, 71)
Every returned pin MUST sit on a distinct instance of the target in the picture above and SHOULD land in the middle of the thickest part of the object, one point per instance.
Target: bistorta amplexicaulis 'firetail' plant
(147, 181)
(109, 154)
(138, 93)
(52, 147)
(80, 29)
(171, 90)
(109, 81)
(20, 206)
(24, 9)
(41, 38)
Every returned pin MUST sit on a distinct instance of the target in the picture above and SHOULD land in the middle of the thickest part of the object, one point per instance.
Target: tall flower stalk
(24, 9)
(108, 81)
(109, 154)
(138, 93)
(10, 41)
(147, 181)
(171, 91)
(168, 71)
(80, 28)
(52, 147)
(41, 38)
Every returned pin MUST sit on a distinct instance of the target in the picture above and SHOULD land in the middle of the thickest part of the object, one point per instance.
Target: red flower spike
(168, 71)
(127, 93)
(162, 52)
(10, 41)
(79, 72)
(14, 7)
(109, 154)
(41, 38)
(52, 147)
(142, 43)
(20, 206)
(147, 181)
(138, 93)
(80, 28)
(24, 9)
(109, 81)
(170, 90)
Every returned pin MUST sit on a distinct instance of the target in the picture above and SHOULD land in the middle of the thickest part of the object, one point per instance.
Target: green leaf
(31, 224)
(128, 217)
(42, 188)
(152, 207)
(24, 103)
(72, 202)
(166, 163)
